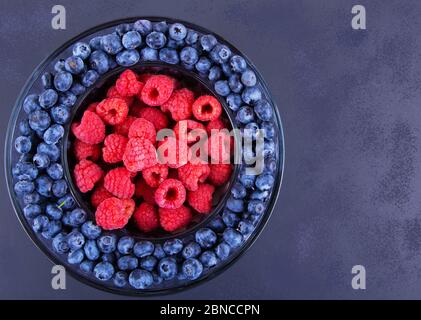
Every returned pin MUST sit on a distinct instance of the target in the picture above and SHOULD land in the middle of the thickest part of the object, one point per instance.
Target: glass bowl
(159, 286)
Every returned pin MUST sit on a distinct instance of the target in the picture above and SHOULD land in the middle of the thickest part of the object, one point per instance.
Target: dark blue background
(350, 104)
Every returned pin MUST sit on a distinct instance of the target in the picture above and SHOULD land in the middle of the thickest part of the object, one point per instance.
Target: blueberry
(51, 150)
(232, 237)
(75, 240)
(53, 212)
(173, 246)
(31, 211)
(39, 120)
(143, 27)
(47, 80)
(59, 188)
(192, 269)
(265, 182)
(214, 73)
(222, 250)
(157, 279)
(230, 218)
(192, 37)
(67, 99)
(140, 279)
(52, 229)
(251, 95)
(148, 54)
(122, 28)
(132, 40)
(207, 42)
(53, 134)
(74, 65)
(99, 62)
(268, 130)
(205, 237)
(251, 131)
(234, 101)
(177, 31)
(256, 207)
(247, 180)
(235, 205)
(44, 185)
(31, 103)
(226, 69)
(24, 187)
(235, 83)
(160, 26)
(270, 165)
(189, 55)
(95, 43)
(127, 263)
(220, 53)
(67, 202)
(104, 271)
(248, 78)
(120, 279)
(31, 198)
(86, 266)
(222, 88)
(208, 259)
(238, 191)
(125, 244)
(107, 243)
(245, 115)
(263, 110)
(269, 148)
(191, 250)
(47, 99)
(238, 64)
(156, 40)
(217, 224)
(81, 50)
(159, 252)
(259, 195)
(55, 171)
(169, 56)
(76, 217)
(111, 44)
(25, 171)
(59, 243)
(128, 58)
(63, 81)
(203, 65)
(23, 144)
(143, 248)
(77, 88)
(89, 78)
(90, 230)
(59, 65)
(24, 127)
(245, 227)
(112, 63)
(41, 160)
(109, 257)
(167, 268)
(148, 263)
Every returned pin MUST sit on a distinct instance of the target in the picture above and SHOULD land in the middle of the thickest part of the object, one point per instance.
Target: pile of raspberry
(119, 161)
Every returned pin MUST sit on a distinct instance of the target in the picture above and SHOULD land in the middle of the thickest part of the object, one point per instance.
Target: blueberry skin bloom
(248, 78)
(189, 55)
(120, 279)
(74, 65)
(167, 268)
(31, 103)
(81, 50)
(39, 120)
(205, 237)
(132, 40)
(60, 114)
(143, 248)
(107, 243)
(104, 271)
(144, 27)
(99, 61)
(177, 31)
(127, 263)
(173, 246)
(60, 243)
(75, 240)
(232, 237)
(47, 99)
(128, 58)
(169, 56)
(140, 279)
(222, 88)
(89, 78)
(63, 81)
(125, 245)
(192, 269)
(111, 44)
(263, 110)
(208, 259)
(90, 230)
(148, 54)
(23, 144)
(245, 115)
(53, 134)
(191, 250)
(156, 40)
(222, 250)
(91, 250)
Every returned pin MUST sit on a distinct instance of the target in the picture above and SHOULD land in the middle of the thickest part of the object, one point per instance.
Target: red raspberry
(172, 152)
(127, 85)
(171, 194)
(139, 154)
(190, 129)
(82, 151)
(99, 194)
(87, 174)
(201, 199)
(206, 108)
(154, 175)
(114, 147)
(175, 219)
(92, 106)
(157, 90)
(191, 174)
(156, 116)
(220, 147)
(144, 191)
(217, 124)
(113, 93)
(219, 173)
(123, 128)
(91, 129)
(118, 182)
(146, 217)
(112, 110)
(179, 104)
(114, 213)
(143, 129)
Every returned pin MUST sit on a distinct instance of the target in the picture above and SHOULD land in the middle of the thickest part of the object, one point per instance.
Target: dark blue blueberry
(265, 182)
(99, 61)
(49, 149)
(208, 259)
(205, 237)
(67, 99)
(203, 65)
(173, 246)
(247, 180)
(31, 103)
(192, 37)
(189, 55)
(24, 127)
(230, 218)
(235, 205)
(234, 101)
(75, 240)
(52, 229)
(148, 54)
(120, 279)
(39, 120)
(132, 40)
(60, 114)
(32, 198)
(245, 227)
(77, 88)
(23, 144)
(89, 78)
(127, 263)
(177, 31)
(59, 65)
(269, 148)
(159, 252)
(238, 191)
(59, 188)
(63, 81)
(269, 130)
(107, 243)
(60, 243)
(143, 248)
(143, 27)
(128, 58)
(192, 269)
(81, 50)
(263, 110)
(48, 98)
(157, 279)
(169, 56)
(214, 73)
(222, 88)
(156, 40)
(245, 115)
(238, 64)
(104, 271)
(220, 53)
(256, 207)
(44, 185)
(167, 268)
(86, 266)
(226, 69)
(74, 65)
(140, 279)
(53, 134)
(47, 80)
(250, 131)
(41, 160)
(232, 237)
(171, 43)
(217, 224)
(53, 212)
(123, 28)
(25, 171)
(91, 230)
(160, 26)
(109, 257)
(148, 263)
(31, 211)
(235, 83)
(251, 95)
(248, 78)
(259, 195)
(111, 44)
(222, 250)
(207, 42)
(95, 43)
(67, 202)
(76, 217)
(191, 250)
(125, 245)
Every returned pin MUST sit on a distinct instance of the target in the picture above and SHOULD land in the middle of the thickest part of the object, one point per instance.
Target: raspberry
(99, 194)
(114, 213)
(123, 128)
(87, 174)
(156, 116)
(216, 124)
(175, 219)
(191, 174)
(206, 108)
(179, 104)
(139, 154)
(220, 147)
(136, 108)
(171, 194)
(157, 90)
(112, 110)
(190, 129)
(114, 147)
(154, 175)
(118, 182)
(92, 106)
(84, 151)
(219, 174)
(127, 84)
(172, 152)
(144, 191)
(146, 217)
(91, 129)
(113, 93)
(201, 199)
(143, 129)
